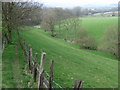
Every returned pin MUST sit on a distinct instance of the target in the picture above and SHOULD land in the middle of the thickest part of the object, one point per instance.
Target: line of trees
(64, 18)
(69, 23)
(16, 14)
(54, 16)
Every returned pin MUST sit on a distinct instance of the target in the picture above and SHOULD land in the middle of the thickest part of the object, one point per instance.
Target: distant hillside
(93, 6)
(71, 62)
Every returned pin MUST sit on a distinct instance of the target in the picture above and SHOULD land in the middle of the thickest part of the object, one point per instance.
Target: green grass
(14, 69)
(96, 69)
(95, 26)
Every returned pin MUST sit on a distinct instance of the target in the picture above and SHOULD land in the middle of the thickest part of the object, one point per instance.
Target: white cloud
(68, 3)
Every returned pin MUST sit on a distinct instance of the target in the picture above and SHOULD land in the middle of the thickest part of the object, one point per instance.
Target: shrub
(85, 40)
(109, 42)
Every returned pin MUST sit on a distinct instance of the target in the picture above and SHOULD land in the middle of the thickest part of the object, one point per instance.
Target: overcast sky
(72, 3)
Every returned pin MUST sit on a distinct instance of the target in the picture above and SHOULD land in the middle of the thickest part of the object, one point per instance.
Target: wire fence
(27, 50)
(54, 82)
(48, 79)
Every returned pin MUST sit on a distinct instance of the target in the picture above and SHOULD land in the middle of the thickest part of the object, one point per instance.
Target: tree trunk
(9, 34)
(6, 38)
(52, 31)
(10, 37)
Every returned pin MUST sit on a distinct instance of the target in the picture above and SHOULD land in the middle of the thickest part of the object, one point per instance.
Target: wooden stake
(25, 50)
(30, 58)
(35, 67)
(78, 84)
(41, 71)
(51, 74)
(16, 48)
(3, 46)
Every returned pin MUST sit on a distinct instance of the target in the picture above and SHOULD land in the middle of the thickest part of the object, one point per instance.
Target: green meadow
(71, 62)
(95, 26)
(97, 69)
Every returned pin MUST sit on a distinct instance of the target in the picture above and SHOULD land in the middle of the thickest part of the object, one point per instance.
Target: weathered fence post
(21, 43)
(78, 84)
(16, 48)
(30, 57)
(51, 74)
(35, 68)
(41, 71)
(3, 46)
(25, 50)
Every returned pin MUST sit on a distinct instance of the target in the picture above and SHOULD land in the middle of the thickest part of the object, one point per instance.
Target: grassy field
(96, 69)
(95, 26)
(15, 73)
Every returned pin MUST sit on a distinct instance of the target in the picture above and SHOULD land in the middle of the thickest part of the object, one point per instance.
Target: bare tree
(76, 25)
(49, 20)
(71, 24)
(15, 14)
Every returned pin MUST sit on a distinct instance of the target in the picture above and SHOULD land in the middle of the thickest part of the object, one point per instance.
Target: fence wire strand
(46, 73)
(54, 81)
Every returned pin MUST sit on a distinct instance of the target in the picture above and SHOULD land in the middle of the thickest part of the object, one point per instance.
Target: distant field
(96, 69)
(95, 26)
(107, 14)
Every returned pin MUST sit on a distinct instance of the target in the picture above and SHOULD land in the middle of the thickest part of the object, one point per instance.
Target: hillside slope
(95, 26)
(71, 62)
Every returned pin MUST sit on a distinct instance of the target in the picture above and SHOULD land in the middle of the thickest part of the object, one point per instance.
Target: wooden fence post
(78, 84)
(16, 48)
(51, 74)
(30, 57)
(25, 50)
(41, 71)
(35, 68)
(3, 46)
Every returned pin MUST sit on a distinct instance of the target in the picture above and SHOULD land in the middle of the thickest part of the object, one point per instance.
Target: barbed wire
(46, 72)
(54, 81)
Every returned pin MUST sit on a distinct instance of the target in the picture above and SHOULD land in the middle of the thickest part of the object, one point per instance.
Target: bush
(109, 42)
(85, 40)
